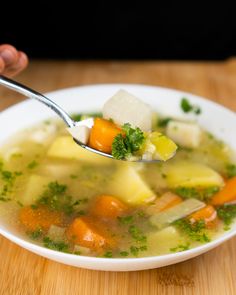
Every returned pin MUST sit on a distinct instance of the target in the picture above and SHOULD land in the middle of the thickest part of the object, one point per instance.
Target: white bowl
(214, 118)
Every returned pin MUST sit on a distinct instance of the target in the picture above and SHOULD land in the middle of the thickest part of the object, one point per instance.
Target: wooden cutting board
(22, 272)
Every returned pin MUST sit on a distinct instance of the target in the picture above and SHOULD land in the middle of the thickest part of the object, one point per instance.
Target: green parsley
(135, 250)
(35, 234)
(201, 194)
(195, 231)
(59, 246)
(187, 107)
(163, 122)
(125, 146)
(137, 234)
(108, 254)
(180, 248)
(125, 219)
(32, 164)
(230, 170)
(227, 213)
(124, 253)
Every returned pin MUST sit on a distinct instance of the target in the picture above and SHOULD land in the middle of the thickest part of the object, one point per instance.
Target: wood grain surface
(22, 272)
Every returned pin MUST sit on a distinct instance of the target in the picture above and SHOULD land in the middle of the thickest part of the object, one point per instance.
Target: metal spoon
(26, 91)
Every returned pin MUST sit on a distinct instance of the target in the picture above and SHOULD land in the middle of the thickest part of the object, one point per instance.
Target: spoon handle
(26, 91)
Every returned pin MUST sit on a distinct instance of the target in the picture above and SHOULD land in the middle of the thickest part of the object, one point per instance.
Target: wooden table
(22, 272)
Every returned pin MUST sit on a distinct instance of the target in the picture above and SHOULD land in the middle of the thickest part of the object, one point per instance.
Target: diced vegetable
(124, 107)
(166, 201)
(129, 186)
(64, 147)
(191, 174)
(102, 135)
(34, 188)
(159, 147)
(39, 218)
(163, 240)
(184, 134)
(208, 214)
(56, 233)
(227, 194)
(86, 232)
(108, 207)
(81, 133)
(181, 210)
(79, 250)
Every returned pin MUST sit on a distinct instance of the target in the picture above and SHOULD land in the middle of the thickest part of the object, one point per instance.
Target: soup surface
(65, 198)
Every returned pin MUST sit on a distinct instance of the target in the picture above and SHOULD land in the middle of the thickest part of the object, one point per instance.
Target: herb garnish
(227, 213)
(124, 146)
(230, 170)
(195, 231)
(180, 248)
(187, 107)
(201, 194)
(59, 246)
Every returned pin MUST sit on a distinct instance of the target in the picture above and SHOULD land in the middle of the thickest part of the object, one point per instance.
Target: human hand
(12, 61)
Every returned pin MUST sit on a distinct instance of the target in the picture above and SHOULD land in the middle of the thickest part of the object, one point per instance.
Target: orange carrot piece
(87, 232)
(227, 194)
(102, 135)
(108, 207)
(208, 214)
(39, 218)
(166, 201)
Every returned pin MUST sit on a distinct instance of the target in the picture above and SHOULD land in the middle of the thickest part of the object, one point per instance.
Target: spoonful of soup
(124, 132)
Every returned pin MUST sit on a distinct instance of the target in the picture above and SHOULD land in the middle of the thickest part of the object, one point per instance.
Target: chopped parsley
(124, 253)
(163, 122)
(195, 231)
(125, 219)
(227, 213)
(134, 250)
(201, 194)
(58, 246)
(108, 254)
(230, 170)
(32, 164)
(124, 146)
(137, 234)
(180, 248)
(56, 198)
(35, 234)
(187, 107)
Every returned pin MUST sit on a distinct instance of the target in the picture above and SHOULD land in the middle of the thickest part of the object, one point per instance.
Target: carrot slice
(39, 218)
(108, 207)
(86, 232)
(227, 194)
(166, 201)
(102, 135)
(208, 214)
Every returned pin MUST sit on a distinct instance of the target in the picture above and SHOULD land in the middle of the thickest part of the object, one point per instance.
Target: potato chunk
(124, 107)
(128, 185)
(191, 174)
(185, 134)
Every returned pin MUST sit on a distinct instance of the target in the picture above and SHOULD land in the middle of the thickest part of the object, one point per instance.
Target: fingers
(11, 60)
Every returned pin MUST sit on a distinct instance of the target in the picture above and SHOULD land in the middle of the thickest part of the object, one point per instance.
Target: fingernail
(7, 56)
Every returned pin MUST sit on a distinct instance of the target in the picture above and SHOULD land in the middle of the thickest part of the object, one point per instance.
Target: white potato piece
(191, 174)
(34, 188)
(81, 133)
(128, 185)
(186, 134)
(64, 147)
(124, 107)
(163, 240)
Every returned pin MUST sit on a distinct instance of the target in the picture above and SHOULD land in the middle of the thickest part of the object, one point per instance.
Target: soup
(65, 198)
